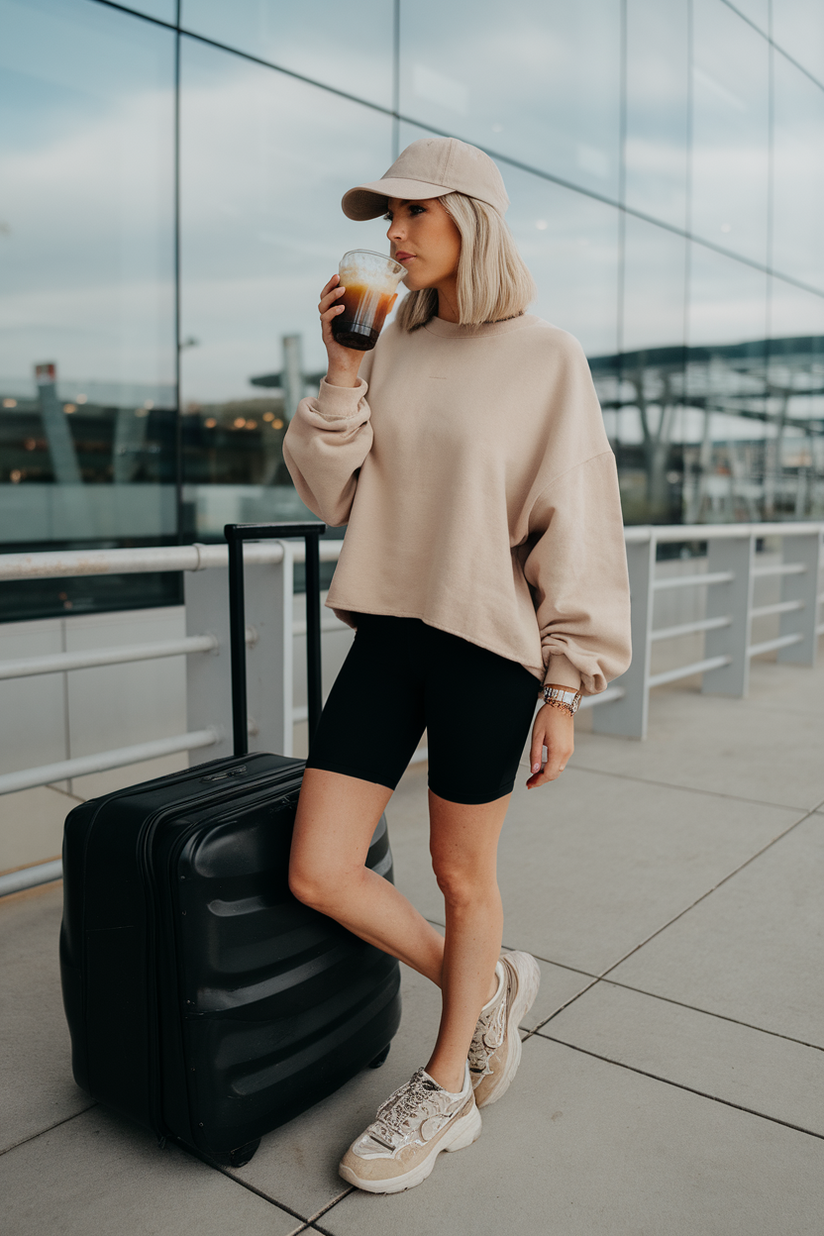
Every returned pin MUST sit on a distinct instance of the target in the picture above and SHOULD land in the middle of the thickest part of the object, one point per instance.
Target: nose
(395, 231)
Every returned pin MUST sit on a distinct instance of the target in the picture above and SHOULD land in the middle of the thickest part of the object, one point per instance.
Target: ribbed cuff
(340, 402)
(562, 673)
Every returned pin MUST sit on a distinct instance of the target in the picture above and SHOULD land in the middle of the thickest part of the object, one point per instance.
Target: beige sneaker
(398, 1150)
(495, 1052)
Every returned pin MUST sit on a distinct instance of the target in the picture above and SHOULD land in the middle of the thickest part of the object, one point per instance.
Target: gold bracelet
(560, 697)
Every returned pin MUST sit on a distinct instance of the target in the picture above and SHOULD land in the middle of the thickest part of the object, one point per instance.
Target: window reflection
(642, 390)
(726, 425)
(796, 378)
(163, 10)
(657, 119)
(87, 444)
(570, 244)
(798, 28)
(730, 131)
(348, 46)
(798, 175)
(262, 233)
(539, 82)
(758, 12)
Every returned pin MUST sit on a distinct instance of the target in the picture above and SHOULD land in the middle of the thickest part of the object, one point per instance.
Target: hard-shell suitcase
(202, 999)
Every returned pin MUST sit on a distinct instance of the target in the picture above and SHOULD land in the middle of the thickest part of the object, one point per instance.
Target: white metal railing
(728, 585)
(728, 582)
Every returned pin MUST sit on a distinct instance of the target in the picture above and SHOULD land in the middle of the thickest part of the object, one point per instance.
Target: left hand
(554, 729)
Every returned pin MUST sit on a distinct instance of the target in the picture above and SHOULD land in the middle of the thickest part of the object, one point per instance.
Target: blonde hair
(493, 282)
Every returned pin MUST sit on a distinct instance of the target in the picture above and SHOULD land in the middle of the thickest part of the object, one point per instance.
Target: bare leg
(464, 844)
(336, 818)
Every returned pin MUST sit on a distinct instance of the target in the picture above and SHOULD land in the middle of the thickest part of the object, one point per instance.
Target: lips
(403, 257)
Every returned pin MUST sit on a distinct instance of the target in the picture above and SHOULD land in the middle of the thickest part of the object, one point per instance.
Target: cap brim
(369, 201)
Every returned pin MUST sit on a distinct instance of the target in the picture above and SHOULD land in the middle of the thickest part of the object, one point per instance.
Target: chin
(412, 284)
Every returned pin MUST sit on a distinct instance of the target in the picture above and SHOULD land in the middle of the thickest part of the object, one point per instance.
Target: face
(424, 239)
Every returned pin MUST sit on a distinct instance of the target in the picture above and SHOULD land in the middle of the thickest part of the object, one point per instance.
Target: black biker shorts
(402, 677)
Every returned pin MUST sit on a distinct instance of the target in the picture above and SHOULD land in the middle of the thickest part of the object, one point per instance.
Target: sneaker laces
(414, 1099)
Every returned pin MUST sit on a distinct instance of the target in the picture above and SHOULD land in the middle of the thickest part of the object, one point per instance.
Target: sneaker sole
(462, 1134)
(528, 985)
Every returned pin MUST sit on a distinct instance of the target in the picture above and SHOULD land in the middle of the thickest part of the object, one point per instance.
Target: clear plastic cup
(371, 281)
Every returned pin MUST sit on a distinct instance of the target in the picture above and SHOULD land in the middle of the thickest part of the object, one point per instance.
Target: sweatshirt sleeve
(577, 569)
(325, 445)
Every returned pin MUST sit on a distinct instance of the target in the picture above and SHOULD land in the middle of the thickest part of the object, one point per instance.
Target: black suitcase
(202, 999)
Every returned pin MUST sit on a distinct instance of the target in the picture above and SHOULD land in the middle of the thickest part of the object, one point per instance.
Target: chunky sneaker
(398, 1150)
(495, 1052)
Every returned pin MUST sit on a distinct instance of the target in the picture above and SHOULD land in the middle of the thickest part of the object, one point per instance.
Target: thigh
(335, 820)
(374, 717)
(479, 710)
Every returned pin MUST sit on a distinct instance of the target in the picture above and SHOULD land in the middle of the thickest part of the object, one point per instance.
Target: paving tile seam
(40, 1132)
(654, 995)
(668, 1081)
(560, 965)
(570, 1001)
(329, 1205)
(695, 1008)
(691, 789)
(719, 884)
(246, 1184)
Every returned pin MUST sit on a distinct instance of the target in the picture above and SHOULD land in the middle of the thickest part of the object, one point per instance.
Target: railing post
(733, 599)
(628, 716)
(269, 686)
(208, 677)
(805, 549)
(269, 662)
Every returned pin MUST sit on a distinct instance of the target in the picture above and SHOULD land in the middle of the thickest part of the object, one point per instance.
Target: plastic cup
(371, 280)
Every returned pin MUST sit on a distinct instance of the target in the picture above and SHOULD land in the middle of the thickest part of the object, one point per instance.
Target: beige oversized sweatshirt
(480, 493)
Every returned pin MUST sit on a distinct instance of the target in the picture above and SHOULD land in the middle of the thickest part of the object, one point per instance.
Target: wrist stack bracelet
(560, 697)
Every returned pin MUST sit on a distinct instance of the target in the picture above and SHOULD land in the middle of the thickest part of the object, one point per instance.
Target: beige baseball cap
(430, 167)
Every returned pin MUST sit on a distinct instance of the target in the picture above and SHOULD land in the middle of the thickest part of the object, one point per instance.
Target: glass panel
(570, 244)
(758, 11)
(795, 465)
(798, 178)
(654, 292)
(725, 424)
(657, 109)
(262, 232)
(163, 10)
(642, 389)
(87, 442)
(798, 28)
(730, 136)
(539, 82)
(348, 46)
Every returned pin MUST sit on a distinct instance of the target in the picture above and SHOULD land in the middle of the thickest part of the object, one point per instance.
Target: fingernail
(536, 767)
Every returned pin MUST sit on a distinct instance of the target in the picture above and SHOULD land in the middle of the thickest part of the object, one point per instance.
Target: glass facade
(170, 174)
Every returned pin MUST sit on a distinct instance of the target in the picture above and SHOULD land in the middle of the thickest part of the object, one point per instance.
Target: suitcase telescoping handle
(236, 534)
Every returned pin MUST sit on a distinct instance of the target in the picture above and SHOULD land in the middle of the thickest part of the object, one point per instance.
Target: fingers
(328, 306)
(553, 730)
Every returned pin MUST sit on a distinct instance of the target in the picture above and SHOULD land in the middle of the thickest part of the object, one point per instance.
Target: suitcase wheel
(238, 1156)
(380, 1058)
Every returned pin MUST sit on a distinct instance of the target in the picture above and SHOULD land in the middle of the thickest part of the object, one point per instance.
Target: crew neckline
(454, 330)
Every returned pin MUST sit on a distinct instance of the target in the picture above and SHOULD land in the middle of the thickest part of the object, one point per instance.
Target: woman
(483, 565)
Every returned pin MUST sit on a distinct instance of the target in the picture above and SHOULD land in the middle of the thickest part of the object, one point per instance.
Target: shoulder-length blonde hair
(493, 282)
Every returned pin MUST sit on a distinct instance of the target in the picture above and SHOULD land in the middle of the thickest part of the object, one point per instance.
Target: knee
(460, 883)
(309, 887)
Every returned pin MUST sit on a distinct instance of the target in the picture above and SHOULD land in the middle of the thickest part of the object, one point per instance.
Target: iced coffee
(371, 281)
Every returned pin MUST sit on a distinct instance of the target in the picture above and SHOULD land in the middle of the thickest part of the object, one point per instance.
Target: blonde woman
(483, 566)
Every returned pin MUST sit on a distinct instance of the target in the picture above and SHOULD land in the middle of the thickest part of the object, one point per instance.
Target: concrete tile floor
(673, 1065)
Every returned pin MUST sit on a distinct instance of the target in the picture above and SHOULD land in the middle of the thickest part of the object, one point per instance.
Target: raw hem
(346, 616)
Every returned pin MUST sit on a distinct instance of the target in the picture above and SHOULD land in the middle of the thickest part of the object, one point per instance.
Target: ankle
(450, 1078)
